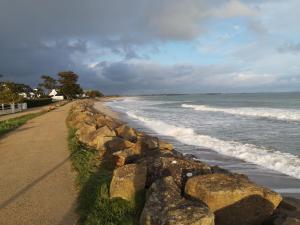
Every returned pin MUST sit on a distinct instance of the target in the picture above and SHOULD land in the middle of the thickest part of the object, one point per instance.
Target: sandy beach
(286, 185)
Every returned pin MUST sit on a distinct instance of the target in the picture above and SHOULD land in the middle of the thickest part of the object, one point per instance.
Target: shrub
(38, 102)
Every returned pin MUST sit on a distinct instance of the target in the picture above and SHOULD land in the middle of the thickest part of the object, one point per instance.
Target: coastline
(186, 173)
(280, 182)
(101, 107)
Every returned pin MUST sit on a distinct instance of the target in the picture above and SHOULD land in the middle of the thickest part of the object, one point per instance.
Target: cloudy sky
(154, 46)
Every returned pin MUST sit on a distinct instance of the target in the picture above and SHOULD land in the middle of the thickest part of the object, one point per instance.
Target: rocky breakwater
(179, 190)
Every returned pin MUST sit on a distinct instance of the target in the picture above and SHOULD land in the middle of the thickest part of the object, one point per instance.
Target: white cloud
(236, 8)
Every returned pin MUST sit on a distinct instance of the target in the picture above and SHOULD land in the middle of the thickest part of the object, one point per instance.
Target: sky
(154, 46)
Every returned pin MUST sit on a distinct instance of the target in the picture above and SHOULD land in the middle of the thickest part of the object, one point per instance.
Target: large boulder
(160, 165)
(234, 199)
(100, 137)
(165, 146)
(127, 181)
(127, 133)
(149, 142)
(287, 213)
(77, 118)
(103, 120)
(127, 155)
(165, 205)
(85, 132)
(118, 144)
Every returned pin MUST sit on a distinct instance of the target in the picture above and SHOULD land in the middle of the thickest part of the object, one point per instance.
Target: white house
(27, 95)
(54, 95)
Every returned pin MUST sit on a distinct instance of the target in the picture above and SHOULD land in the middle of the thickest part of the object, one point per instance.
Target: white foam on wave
(271, 113)
(285, 163)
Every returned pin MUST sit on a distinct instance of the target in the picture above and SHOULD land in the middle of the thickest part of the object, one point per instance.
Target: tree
(94, 93)
(22, 88)
(9, 93)
(68, 84)
(49, 83)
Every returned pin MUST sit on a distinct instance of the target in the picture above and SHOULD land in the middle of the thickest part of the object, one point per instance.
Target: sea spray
(282, 162)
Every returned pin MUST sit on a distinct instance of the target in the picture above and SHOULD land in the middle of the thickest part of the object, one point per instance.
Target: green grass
(11, 124)
(93, 179)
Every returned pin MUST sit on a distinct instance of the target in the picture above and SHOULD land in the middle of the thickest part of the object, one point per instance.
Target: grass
(93, 180)
(11, 124)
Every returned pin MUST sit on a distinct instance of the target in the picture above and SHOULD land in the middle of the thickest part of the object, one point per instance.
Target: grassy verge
(93, 180)
(11, 124)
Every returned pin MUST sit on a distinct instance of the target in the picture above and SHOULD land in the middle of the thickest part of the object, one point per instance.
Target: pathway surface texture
(36, 178)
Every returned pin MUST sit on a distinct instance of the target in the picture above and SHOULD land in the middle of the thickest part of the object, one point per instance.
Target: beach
(278, 170)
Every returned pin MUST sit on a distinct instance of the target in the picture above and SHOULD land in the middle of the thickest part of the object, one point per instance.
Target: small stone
(189, 174)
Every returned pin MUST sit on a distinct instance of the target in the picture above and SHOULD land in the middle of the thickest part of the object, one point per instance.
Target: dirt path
(36, 181)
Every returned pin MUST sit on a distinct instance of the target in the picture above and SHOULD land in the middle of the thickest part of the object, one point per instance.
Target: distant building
(55, 96)
(27, 95)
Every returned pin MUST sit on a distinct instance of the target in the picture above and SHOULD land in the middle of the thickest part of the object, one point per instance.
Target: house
(27, 95)
(55, 96)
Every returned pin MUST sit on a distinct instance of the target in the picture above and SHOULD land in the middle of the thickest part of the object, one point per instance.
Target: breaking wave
(285, 163)
(270, 113)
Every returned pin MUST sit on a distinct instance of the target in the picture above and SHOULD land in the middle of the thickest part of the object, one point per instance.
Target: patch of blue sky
(176, 52)
(211, 47)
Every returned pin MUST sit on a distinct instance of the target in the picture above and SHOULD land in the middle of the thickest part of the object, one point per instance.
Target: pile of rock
(54, 106)
(179, 190)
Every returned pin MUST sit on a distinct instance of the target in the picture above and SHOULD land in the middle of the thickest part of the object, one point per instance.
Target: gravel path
(36, 181)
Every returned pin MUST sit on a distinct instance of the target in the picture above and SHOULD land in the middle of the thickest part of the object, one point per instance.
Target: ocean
(254, 134)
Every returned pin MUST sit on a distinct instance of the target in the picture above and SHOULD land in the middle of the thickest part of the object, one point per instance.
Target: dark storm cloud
(147, 77)
(43, 37)
(39, 36)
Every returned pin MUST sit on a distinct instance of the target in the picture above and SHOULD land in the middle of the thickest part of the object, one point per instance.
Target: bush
(38, 102)
(94, 94)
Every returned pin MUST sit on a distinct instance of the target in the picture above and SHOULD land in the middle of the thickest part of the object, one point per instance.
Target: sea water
(255, 134)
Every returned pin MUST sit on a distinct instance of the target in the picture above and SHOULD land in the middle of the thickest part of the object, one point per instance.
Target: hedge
(38, 102)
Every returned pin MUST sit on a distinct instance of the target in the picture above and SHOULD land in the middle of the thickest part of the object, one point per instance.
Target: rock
(160, 166)
(100, 137)
(234, 199)
(127, 133)
(287, 213)
(127, 181)
(127, 155)
(120, 158)
(149, 142)
(85, 132)
(165, 146)
(165, 205)
(118, 144)
(78, 118)
(51, 107)
(103, 120)
(100, 119)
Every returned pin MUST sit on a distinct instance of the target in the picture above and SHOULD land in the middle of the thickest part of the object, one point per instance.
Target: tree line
(66, 85)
